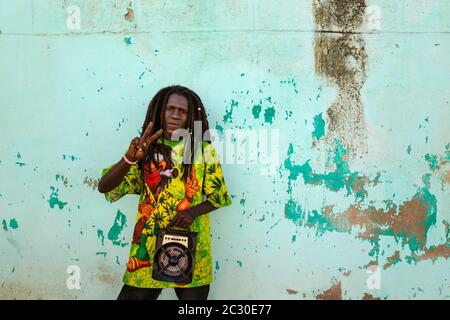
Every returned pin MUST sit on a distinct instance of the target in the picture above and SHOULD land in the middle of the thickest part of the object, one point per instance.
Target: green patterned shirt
(162, 192)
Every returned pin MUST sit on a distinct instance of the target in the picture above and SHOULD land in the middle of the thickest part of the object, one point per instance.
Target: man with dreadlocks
(172, 193)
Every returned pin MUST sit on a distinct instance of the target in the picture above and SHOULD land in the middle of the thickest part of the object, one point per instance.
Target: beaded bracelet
(128, 161)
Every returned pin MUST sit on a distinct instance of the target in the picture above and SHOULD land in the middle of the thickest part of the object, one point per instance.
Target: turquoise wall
(357, 205)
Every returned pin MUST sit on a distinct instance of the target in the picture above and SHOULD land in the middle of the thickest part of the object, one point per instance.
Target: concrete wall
(357, 205)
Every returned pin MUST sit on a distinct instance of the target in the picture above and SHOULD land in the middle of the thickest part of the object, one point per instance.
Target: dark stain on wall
(340, 57)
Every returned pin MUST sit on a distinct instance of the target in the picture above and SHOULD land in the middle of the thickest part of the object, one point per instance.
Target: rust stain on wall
(332, 293)
(368, 296)
(340, 57)
(129, 16)
(411, 222)
(434, 252)
(392, 260)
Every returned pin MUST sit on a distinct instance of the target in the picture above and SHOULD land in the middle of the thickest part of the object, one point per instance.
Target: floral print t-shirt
(163, 193)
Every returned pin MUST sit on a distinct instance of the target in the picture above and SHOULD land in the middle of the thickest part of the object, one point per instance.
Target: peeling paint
(269, 114)
(319, 128)
(129, 16)
(13, 224)
(101, 236)
(340, 178)
(332, 293)
(256, 110)
(54, 199)
(433, 253)
(19, 163)
(394, 259)
(117, 228)
(368, 296)
(71, 157)
(227, 118)
(409, 149)
(128, 40)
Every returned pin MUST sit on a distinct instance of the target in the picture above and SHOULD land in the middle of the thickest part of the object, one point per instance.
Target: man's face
(175, 114)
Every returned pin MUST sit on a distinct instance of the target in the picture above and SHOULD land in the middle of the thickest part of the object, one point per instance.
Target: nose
(176, 115)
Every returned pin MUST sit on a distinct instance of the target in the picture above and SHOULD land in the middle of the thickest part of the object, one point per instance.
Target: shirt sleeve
(214, 186)
(131, 184)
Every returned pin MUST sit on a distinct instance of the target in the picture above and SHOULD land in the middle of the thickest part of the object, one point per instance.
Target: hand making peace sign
(139, 146)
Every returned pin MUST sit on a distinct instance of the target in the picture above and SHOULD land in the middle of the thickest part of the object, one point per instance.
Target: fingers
(175, 221)
(150, 139)
(181, 221)
(133, 147)
(145, 140)
(147, 130)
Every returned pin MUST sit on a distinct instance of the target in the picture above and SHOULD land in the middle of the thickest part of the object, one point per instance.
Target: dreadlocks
(155, 113)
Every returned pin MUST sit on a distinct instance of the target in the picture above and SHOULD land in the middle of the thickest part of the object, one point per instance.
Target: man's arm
(201, 209)
(136, 151)
(185, 218)
(113, 177)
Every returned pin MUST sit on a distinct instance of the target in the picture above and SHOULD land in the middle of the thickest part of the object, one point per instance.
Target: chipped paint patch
(129, 16)
(71, 157)
(319, 128)
(293, 212)
(410, 223)
(227, 118)
(117, 228)
(54, 199)
(18, 162)
(433, 253)
(13, 223)
(368, 296)
(101, 236)
(128, 41)
(269, 114)
(432, 161)
(409, 149)
(341, 178)
(290, 82)
(256, 110)
(332, 293)
(394, 259)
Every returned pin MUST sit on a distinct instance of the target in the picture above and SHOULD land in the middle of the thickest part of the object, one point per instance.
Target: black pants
(134, 293)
